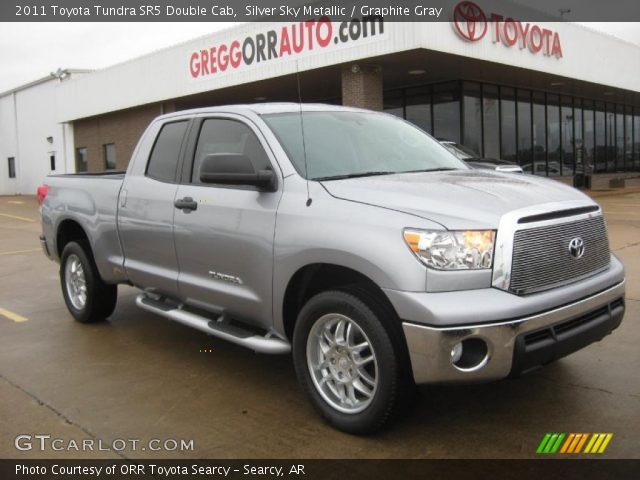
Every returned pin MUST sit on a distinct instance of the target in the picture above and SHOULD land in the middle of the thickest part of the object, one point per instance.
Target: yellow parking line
(15, 252)
(12, 316)
(24, 219)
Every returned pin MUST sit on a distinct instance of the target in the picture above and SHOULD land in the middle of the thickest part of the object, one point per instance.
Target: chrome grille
(541, 258)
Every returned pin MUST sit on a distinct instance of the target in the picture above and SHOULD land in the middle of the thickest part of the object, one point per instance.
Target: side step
(231, 333)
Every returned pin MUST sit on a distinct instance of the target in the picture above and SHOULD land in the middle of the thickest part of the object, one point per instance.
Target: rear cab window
(163, 161)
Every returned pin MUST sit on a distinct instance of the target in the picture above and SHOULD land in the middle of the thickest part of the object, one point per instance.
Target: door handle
(186, 204)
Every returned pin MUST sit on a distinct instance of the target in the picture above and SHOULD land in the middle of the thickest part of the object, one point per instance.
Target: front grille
(541, 258)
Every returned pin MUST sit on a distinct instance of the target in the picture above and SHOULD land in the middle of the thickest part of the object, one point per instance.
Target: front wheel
(88, 298)
(351, 360)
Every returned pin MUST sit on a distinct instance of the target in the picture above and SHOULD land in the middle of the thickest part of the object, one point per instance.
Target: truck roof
(263, 108)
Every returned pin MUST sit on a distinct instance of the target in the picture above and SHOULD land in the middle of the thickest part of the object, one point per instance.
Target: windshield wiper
(353, 175)
(440, 169)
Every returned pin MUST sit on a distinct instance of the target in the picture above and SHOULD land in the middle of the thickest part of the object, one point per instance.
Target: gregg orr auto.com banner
(284, 41)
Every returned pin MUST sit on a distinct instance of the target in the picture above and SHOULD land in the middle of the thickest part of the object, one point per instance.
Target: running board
(231, 333)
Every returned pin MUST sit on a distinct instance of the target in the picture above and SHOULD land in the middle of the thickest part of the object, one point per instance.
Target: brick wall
(362, 86)
(122, 128)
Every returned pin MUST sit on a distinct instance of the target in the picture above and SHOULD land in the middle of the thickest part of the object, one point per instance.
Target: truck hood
(458, 199)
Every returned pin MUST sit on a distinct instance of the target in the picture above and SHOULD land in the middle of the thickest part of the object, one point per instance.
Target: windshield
(460, 151)
(342, 144)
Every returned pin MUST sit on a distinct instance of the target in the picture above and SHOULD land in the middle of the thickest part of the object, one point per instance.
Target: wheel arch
(69, 230)
(314, 278)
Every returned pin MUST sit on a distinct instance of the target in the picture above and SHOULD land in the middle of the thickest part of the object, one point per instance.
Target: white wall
(8, 186)
(24, 136)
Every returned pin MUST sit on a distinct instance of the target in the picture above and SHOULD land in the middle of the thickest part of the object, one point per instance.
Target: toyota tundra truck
(351, 239)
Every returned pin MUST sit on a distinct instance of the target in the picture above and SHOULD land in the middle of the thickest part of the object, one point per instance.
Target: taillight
(42, 193)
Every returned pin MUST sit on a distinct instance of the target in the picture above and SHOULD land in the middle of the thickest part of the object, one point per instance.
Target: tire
(88, 298)
(329, 370)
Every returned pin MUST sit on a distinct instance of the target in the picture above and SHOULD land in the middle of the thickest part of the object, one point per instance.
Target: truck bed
(91, 201)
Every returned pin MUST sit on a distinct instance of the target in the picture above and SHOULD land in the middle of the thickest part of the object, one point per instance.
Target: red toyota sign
(472, 24)
(469, 21)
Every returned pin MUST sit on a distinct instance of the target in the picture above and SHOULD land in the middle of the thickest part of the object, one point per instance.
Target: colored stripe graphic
(543, 443)
(550, 443)
(565, 447)
(598, 442)
(573, 443)
(581, 442)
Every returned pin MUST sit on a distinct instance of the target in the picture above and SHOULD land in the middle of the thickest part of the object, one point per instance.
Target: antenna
(304, 146)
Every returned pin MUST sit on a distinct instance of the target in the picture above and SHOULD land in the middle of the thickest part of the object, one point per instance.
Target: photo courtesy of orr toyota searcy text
(288, 40)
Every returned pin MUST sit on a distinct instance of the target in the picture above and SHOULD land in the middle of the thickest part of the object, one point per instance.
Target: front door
(225, 245)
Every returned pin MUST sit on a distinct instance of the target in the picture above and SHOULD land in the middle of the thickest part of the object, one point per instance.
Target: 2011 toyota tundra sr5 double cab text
(351, 238)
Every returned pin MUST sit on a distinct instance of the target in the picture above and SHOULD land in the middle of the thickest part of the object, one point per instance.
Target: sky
(29, 51)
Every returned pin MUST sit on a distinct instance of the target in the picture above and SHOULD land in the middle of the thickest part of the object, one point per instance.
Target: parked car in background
(474, 160)
(541, 168)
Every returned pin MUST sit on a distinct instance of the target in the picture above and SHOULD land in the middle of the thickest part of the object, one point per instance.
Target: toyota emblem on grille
(576, 247)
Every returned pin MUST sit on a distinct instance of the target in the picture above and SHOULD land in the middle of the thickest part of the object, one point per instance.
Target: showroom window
(578, 141)
(109, 155)
(393, 103)
(472, 117)
(628, 139)
(601, 135)
(81, 160)
(491, 121)
(566, 134)
(446, 111)
(418, 107)
(523, 108)
(589, 140)
(619, 139)
(553, 144)
(11, 165)
(539, 133)
(610, 136)
(508, 124)
(546, 132)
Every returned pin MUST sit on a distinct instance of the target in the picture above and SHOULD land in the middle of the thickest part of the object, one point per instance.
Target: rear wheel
(351, 361)
(88, 298)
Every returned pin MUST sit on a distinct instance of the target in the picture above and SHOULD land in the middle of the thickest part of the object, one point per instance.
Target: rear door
(146, 210)
(225, 246)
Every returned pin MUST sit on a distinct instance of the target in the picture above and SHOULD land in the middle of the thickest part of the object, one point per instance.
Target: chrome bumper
(510, 350)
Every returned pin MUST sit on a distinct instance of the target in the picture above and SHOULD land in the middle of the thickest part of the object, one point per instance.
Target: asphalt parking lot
(141, 377)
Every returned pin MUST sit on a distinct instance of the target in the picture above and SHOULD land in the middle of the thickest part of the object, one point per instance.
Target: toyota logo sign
(576, 247)
(471, 24)
(470, 21)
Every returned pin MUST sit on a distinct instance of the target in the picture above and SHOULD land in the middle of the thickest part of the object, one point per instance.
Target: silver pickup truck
(351, 238)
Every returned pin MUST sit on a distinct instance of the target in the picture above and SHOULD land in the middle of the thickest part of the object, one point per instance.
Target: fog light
(470, 354)
(456, 353)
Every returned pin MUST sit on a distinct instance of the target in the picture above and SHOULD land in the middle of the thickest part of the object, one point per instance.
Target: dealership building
(558, 98)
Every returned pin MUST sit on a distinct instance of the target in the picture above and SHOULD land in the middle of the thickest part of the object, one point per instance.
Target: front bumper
(514, 346)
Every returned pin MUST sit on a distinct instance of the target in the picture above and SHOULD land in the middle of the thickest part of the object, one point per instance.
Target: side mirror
(234, 169)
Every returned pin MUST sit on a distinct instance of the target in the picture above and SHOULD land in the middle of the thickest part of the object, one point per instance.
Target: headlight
(452, 250)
